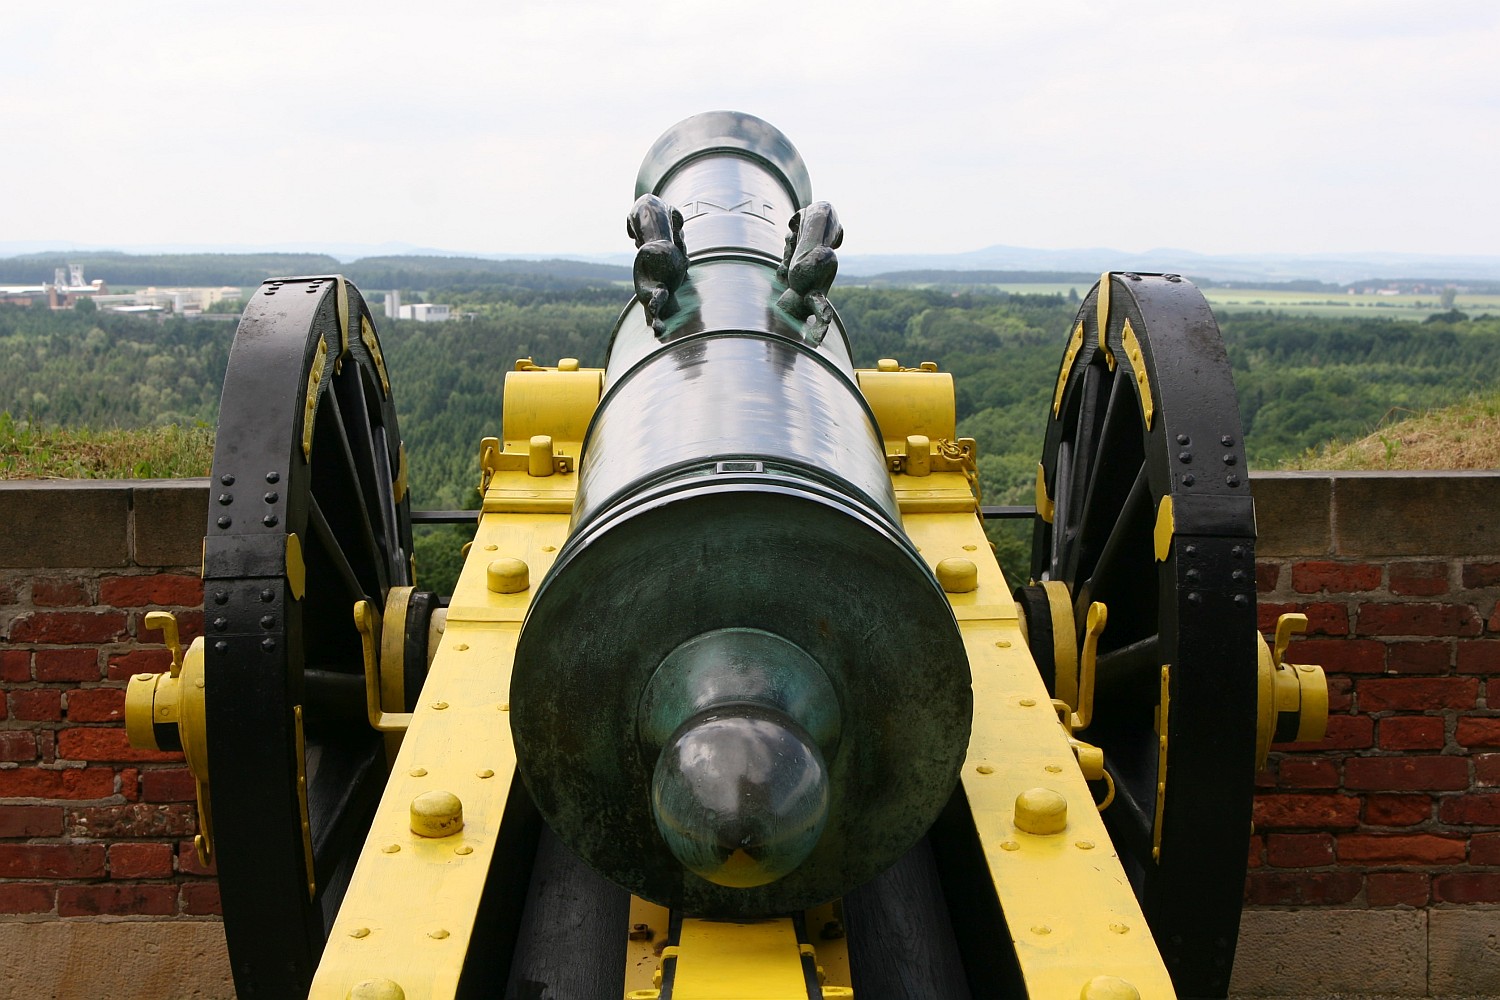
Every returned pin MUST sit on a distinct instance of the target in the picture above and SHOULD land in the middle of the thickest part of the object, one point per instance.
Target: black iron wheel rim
(281, 645)
(1192, 611)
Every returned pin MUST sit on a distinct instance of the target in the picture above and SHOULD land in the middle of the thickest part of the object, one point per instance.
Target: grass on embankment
(1463, 436)
(28, 451)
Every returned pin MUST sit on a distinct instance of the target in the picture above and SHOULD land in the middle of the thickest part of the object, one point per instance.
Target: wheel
(308, 513)
(1151, 514)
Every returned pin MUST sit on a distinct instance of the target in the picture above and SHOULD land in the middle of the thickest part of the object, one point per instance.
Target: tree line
(1301, 380)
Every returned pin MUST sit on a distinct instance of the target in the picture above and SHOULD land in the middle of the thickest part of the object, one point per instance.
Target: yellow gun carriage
(731, 698)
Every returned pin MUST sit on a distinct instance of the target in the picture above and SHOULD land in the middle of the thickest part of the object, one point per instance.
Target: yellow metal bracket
(539, 459)
(1088, 664)
(342, 301)
(392, 648)
(167, 622)
(1102, 303)
(310, 400)
(489, 462)
(1064, 645)
(296, 569)
(391, 666)
(175, 698)
(1292, 699)
(893, 365)
(719, 960)
(1076, 713)
(1075, 344)
(398, 486)
(1090, 759)
(1044, 505)
(1103, 319)
(1166, 526)
(542, 457)
(825, 923)
(1286, 625)
(367, 620)
(1138, 366)
(914, 410)
(921, 456)
(367, 334)
(1075, 671)
(755, 960)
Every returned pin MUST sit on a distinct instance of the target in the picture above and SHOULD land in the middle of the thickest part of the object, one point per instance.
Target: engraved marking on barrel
(748, 206)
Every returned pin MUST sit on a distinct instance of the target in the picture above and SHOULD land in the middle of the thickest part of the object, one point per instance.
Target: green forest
(1301, 381)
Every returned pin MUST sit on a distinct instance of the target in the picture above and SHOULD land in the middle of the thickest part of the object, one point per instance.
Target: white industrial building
(421, 312)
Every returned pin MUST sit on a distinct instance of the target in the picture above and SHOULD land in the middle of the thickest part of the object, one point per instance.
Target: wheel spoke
(396, 554)
(1084, 451)
(1117, 452)
(1124, 664)
(328, 544)
(367, 444)
(1129, 674)
(341, 484)
(1060, 507)
(1127, 527)
(1117, 409)
(333, 698)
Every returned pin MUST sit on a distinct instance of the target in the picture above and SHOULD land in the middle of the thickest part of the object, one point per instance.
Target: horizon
(12, 249)
(1267, 269)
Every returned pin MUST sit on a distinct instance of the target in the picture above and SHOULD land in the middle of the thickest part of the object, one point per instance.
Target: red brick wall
(1400, 805)
(88, 826)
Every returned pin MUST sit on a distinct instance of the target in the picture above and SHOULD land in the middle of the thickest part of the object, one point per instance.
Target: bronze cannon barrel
(740, 689)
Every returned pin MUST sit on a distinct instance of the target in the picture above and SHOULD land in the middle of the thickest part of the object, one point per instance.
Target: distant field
(1412, 307)
(1409, 307)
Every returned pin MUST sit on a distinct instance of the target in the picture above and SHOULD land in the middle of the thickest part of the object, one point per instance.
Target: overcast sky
(516, 126)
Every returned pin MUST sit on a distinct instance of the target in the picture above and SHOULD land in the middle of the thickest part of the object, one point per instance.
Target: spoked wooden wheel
(307, 515)
(1151, 514)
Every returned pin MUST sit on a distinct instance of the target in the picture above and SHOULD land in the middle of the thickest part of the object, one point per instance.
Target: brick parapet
(1399, 575)
(1398, 810)
(90, 828)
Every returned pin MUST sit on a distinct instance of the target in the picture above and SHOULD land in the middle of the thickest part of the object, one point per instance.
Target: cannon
(731, 698)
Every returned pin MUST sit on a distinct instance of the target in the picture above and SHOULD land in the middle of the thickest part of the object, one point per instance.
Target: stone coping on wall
(101, 523)
(1377, 514)
(88, 522)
